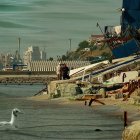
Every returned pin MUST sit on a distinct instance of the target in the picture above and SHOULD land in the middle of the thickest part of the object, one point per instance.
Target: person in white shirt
(58, 72)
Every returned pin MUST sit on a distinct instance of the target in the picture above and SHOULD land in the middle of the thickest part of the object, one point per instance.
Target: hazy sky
(51, 23)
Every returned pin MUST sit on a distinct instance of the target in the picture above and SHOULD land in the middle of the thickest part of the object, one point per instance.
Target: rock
(102, 92)
(132, 132)
(63, 88)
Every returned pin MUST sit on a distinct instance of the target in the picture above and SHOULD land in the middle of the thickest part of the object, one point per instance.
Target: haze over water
(51, 23)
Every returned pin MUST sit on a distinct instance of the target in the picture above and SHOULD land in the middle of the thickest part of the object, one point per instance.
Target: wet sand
(133, 111)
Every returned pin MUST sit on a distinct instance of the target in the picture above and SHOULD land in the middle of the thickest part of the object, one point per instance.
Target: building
(43, 55)
(96, 39)
(6, 60)
(32, 54)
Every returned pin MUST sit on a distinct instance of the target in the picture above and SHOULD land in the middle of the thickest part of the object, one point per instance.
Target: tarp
(126, 49)
(131, 14)
(131, 4)
(131, 18)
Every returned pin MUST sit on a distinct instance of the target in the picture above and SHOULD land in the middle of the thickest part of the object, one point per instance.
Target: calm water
(50, 23)
(51, 120)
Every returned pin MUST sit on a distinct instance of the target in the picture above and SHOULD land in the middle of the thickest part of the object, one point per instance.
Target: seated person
(125, 88)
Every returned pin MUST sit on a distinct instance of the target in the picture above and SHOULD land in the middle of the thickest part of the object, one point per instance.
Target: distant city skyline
(52, 24)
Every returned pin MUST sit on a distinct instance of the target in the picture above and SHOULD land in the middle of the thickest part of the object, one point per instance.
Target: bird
(11, 124)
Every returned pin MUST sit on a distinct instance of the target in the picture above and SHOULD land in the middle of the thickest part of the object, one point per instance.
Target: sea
(50, 24)
(54, 119)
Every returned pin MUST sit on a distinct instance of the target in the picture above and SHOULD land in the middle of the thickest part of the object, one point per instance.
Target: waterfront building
(6, 60)
(43, 55)
(32, 54)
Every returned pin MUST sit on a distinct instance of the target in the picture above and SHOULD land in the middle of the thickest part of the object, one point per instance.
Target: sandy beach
(133, 110)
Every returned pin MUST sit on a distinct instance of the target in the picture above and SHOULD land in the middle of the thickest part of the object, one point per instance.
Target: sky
(50, 24)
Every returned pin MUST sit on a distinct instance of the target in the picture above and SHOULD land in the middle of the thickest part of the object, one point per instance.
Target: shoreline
(132, 110)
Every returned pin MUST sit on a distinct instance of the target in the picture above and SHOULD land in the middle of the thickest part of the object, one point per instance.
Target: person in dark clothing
(65, 72)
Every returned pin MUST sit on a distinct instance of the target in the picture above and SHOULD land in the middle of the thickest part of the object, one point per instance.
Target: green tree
(50, 59)
(82, 45)
(64, 57)
(106, 54)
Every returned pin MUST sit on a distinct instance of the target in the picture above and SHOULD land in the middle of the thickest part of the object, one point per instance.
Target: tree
(82, 45)
(64, 57)
(51, 59)
(106, 54)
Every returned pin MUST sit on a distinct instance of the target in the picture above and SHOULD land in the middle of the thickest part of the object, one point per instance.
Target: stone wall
(61, 88)
(65, 88)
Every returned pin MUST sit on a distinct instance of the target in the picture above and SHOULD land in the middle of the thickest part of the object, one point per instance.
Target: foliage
(64, 57)
(82, 45)
(81, 55)
(50, 59)
(106, 54)
(92, 48)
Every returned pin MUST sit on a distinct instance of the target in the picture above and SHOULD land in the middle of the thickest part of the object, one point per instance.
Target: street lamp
(70, 44)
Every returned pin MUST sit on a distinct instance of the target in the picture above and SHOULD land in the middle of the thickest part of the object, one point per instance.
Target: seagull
(11, 124)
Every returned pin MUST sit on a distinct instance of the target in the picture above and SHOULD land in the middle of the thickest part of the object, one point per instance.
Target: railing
(51, 65)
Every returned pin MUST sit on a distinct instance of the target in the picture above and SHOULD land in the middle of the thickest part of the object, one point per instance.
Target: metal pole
(70, 44)
(100, 28)
(19, 46)
(125, 119)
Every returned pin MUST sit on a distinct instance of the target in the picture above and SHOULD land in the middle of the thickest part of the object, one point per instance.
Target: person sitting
(125, 88)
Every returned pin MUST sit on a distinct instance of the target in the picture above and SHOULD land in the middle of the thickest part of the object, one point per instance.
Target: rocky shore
(23, 79)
